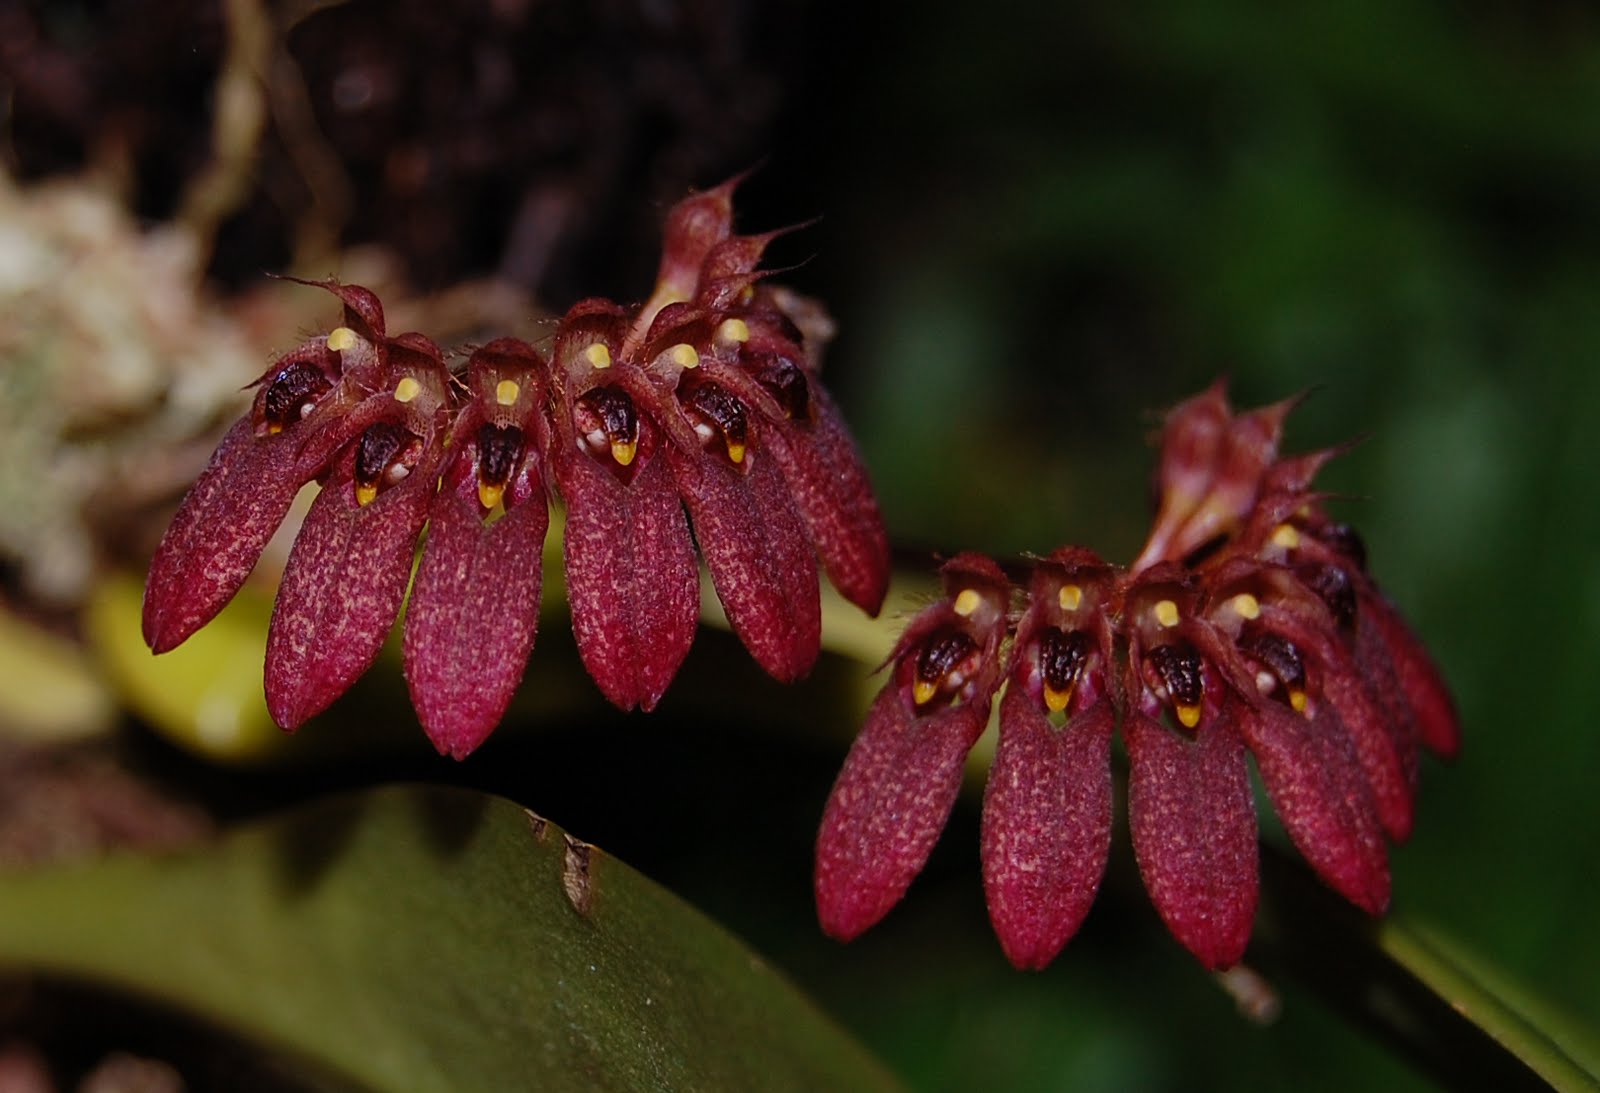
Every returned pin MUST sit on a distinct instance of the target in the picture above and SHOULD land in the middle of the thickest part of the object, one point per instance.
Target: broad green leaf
(435, 939)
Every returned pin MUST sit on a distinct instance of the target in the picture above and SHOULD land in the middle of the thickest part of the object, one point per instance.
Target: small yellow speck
(407, 389)
(506, 392)
(733, 330)
(341, 338)
(967, 602)
(1166, 613)
(365, 492)
(923, 690)
(684, 356)
(1286, 537)
(623, 451)
(736, 452)
(1188, 716)
(1297, 699)
(1070, 597)
(1055, 701)
(1247, 606)
(489, 494)
(598, 355)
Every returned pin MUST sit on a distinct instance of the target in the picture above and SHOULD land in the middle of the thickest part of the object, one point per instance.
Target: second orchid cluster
(1249, 625)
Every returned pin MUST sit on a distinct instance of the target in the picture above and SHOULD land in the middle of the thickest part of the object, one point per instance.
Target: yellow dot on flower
(506, 392)
(1070, 597)
(489, 494)
(407, 389)
(684, 356)
(1166, 613)
(1286, 537)
(1247, 606)
(623, 451)
(733, 330)
(365, 492)
(341, 338)
(1055, 701)
(598, 355)
(736, 452)
(1297, 699)
(967, 602)
(1188, 716)
(923, 690)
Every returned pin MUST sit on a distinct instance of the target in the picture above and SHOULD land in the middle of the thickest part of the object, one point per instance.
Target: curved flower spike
(901, 778)
(474, 609)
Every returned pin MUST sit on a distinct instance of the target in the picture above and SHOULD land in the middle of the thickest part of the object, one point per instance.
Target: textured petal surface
(1194, 833)
(219, 532)
(761, 563)
(1319, 792)
(1432, 709)
(1367, 722)
(888, 807)
(631, 577)
(1046, 825)
(473, 616)
(341, 591)
(830, 488)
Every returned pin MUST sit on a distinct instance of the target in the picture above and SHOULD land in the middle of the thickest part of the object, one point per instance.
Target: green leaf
(1432, 999)
(434, 939)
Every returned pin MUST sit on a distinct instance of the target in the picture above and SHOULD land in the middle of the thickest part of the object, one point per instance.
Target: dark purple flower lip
(1248, 626)
(703, 403)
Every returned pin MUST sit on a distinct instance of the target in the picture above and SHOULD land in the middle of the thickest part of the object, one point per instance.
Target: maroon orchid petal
(1046, 825)
(218, 533)
(345, 581)
(902, 776)
(1319, 792)
(1432, 709)
(1364, 720)
(1372, 661)
(828, 482)
(244, 493)
(889, 805)
(1194, 833)
(631, 575)
(755, 546)
(474, 609)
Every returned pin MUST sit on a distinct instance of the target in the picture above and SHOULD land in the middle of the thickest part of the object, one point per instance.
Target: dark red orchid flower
(698, 419)
(1248, 628)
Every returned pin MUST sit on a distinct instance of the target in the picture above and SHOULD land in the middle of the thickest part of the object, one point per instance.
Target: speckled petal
(219, 532)
(473, 614)
(1359, 715)
(631, 576)
(833, 495)
(888, 807)
(1432, 710)
(760, 560)
(1319, 792)
(1194, 833)
(1046, 825)
(342, 589)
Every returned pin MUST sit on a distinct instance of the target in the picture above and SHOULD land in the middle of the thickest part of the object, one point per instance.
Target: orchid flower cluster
(1248, 624)
(702, 406)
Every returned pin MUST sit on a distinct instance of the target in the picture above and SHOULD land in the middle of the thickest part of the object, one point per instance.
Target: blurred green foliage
(1044, 223)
